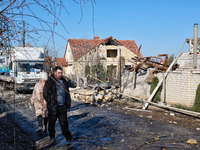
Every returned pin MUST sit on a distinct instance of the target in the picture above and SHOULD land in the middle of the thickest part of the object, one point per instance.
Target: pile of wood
(97, 96)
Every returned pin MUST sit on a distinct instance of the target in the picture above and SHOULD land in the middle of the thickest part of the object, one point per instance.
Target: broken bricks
(98, 96)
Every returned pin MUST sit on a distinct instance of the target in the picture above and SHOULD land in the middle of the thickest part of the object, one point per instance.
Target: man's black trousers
(61, 115)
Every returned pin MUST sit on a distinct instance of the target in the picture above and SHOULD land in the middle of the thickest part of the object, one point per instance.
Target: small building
(186, 59)
(82, 52)
(62, 63)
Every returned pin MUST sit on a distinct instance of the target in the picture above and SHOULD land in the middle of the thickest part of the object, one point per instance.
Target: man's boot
(52, 139)
(69, 137)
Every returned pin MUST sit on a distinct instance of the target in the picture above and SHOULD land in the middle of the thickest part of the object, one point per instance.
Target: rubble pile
(97, 95)
(156, 62)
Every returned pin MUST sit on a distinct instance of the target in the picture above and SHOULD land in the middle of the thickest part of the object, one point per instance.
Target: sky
(160, 26)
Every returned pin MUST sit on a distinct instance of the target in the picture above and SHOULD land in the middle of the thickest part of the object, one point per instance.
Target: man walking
(56, 93)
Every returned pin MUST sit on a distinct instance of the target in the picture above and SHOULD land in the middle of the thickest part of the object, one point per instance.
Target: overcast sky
(161, 26)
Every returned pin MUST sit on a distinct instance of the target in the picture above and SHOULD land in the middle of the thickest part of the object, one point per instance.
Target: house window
(127, 66)
(112, 53)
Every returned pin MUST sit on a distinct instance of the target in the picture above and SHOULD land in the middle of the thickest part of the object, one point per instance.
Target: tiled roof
(79, 47)
(131, 45)
(61, 61)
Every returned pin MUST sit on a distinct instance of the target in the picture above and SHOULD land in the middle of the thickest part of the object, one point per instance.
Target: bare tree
(14, 12)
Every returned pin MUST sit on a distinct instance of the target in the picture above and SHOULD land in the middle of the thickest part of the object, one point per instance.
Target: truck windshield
(32, 66)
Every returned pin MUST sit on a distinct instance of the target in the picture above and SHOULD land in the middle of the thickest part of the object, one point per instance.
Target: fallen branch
(137, 109)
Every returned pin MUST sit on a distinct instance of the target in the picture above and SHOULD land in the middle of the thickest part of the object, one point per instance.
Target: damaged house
(82, 52)
(178, 87)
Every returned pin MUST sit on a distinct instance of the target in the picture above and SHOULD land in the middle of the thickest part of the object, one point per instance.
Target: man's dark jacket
(50, 95)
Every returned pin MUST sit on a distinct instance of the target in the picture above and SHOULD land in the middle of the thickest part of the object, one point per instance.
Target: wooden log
(186, 112)
(137, 109)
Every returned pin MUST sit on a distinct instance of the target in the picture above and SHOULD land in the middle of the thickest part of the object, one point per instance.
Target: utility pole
(23, 36)
(120, 69)
(195, 46)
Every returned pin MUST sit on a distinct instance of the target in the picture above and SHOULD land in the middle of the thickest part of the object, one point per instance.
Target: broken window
(112, 53)
(127, 66)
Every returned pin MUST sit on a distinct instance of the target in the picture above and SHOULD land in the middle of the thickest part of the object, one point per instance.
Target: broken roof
(80, 47)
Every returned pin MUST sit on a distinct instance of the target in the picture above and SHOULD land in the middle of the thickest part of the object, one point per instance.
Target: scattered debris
(3, 114)
(198, 129)
(191, 141)
(159, 84)
(157, 139)
(100, 93)
(137, 131)
(172, 114)
(156, 62)
(137, 109)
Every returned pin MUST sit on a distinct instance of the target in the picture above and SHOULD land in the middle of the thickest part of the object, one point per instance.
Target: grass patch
(182, 107)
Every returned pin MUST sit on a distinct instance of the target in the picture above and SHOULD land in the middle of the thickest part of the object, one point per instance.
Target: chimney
(195, 46)
(96, 37)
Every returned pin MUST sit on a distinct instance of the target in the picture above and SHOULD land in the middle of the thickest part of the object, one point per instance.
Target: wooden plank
(159, 84)
(157, 66)
(137, 109)
(133, 76)
(163, 90)
(141, 63)
(151, 75)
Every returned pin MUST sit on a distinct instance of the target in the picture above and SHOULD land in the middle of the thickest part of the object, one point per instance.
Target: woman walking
(40, 103)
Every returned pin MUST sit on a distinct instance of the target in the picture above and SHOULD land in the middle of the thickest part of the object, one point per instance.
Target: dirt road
(101, 128)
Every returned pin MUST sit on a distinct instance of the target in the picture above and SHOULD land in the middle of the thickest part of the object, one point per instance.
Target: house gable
(80, 47)
(68, 53)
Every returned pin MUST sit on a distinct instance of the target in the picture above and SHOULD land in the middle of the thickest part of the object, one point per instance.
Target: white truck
(21, 66)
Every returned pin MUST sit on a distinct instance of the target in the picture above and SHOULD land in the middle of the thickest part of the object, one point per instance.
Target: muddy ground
(155, 113)
(7, 128)
(108, 126)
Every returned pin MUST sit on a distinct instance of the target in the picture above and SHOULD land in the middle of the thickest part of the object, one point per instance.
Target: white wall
(181, 85)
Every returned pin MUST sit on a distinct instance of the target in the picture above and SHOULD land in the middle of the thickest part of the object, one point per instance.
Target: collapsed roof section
(156, 62)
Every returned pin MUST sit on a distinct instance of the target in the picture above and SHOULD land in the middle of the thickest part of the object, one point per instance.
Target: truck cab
(22, 67)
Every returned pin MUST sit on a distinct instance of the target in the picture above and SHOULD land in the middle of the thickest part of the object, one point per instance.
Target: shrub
(154, 83)
(196, 105)
(101, 74)
(171, 58)
(110, 73)
(87, 70)
(182, 107)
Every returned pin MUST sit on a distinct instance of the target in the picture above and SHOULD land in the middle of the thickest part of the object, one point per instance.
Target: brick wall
(181, 85)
